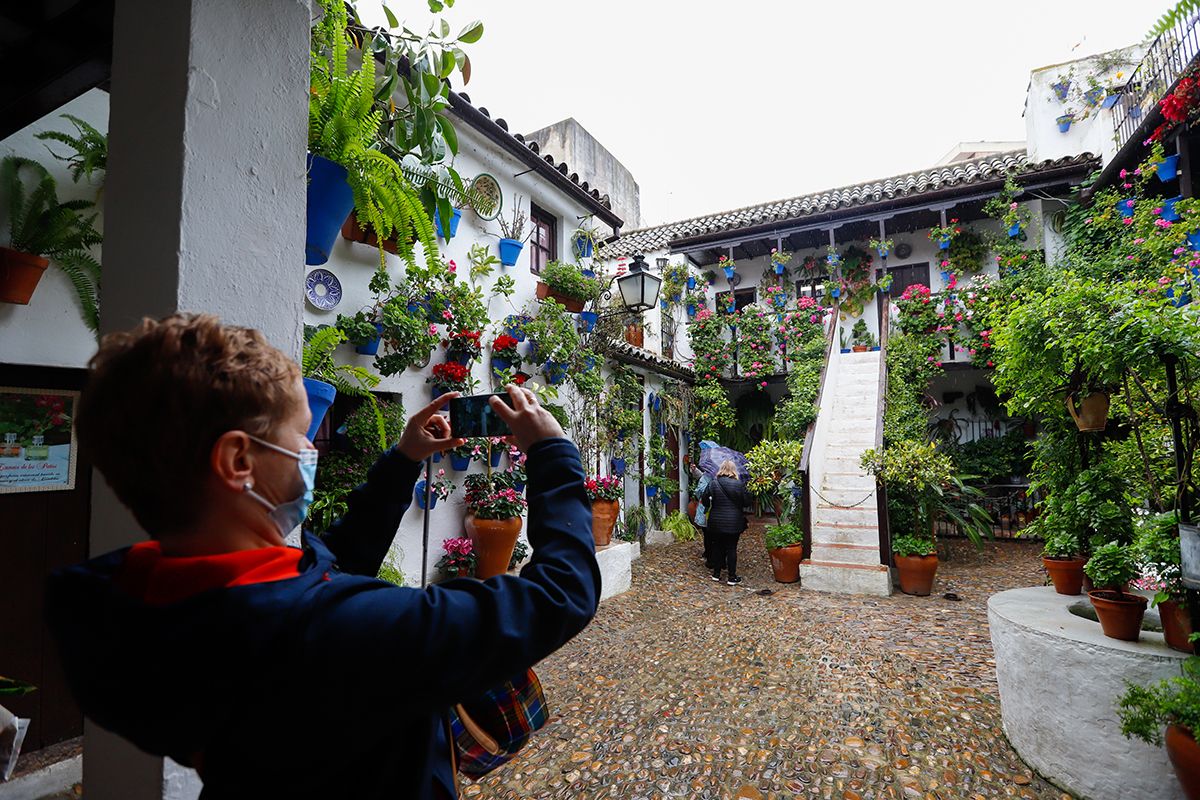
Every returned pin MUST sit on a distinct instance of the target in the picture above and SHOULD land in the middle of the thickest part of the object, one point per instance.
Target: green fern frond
(84, 273)
(1183, 10)
(90, 146)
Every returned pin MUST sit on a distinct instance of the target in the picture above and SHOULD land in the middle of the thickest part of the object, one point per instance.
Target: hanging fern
(1183, 10)
(41, 225)
(317, 362)
(90, 146)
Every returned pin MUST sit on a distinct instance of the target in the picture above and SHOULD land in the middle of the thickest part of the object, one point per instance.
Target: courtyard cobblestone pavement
(683, 687)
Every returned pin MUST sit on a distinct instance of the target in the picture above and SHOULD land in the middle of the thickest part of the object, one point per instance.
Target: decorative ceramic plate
(323, 289)
(485, 196)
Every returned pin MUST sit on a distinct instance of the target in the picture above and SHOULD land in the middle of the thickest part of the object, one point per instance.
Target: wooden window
(543, 242)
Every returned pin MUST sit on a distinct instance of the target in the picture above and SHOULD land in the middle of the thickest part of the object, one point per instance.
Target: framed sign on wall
(38, 450)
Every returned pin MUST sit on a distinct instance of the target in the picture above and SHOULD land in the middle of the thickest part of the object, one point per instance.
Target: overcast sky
(716, 105)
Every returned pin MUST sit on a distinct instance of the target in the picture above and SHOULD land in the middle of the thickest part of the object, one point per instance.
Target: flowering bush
(493, 497)
(458, 559)
(441, 488)
(918, 309)
(1179, 106)
(755, 344)
(451, 376)
(465, 343)
(480, 448)
(712, 351)
(601, 487)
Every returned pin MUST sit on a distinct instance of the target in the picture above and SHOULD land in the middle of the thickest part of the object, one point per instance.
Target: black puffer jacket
(727, 497)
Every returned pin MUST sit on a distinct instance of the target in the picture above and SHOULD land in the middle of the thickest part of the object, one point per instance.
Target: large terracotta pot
(494, 542)
(634, 334)
(1185, 757)
(1176, 624)
(19, 275)
(1120, 614)
(572, 304)
(604, 516)
(1067, 574)
(916, 574)
(1093, 411)
(785, 562)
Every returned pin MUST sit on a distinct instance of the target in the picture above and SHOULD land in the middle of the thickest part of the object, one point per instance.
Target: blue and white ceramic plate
(323, 289)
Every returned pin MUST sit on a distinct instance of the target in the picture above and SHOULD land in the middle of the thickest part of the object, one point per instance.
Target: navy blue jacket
(331, 684)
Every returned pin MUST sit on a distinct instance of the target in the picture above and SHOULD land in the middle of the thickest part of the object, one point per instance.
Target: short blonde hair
(728, 470)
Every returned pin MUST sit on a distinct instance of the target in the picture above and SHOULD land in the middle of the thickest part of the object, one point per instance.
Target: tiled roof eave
(640, 357)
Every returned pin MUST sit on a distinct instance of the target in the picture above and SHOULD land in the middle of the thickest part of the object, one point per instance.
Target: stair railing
(885, 533)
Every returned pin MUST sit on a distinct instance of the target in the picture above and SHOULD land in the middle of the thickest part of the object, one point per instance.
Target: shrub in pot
(861, 339)
(1111, 567)
(493, 522)
(785, 546)
(1174, 704)
(1060, 557)
(605, 493)
(565, 283)
(917, 562)
(1156, 547)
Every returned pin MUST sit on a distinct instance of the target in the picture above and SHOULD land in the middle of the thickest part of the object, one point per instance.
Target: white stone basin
(1059, 678)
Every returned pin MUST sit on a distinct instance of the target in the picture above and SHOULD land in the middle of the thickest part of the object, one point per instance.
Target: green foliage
(39, 224)
(520, 551)
(13, 687)
(1058, 543)
(910, 369)
(784, 534)
(1092, 505)
(1156, 548)
(967, 253)
(407, 339)
(913, 545)
(560, 414)
(994, 459)
(862, 337)
(773, 465)
(554, 333)
(1111, 566)
(633, 523)
(89, 144)
(680, 527)
(714, 414)
(567, 280)
(390, 573)
(755, 344)
(319, 363)
(712, 351)
(1182, 11)
(483, 262)
(359, 328)
(1145, 711)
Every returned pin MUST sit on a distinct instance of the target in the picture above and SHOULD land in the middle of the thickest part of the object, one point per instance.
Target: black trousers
(710, 557)
(724, 551)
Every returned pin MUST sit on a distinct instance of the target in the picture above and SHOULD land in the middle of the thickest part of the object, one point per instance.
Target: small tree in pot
(1111, 568)
(1175, 704)
(1060, 557)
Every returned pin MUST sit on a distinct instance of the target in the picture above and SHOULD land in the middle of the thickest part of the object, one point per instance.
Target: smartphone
(473, 416)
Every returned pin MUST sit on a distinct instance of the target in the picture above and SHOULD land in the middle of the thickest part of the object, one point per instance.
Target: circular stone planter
(1059, 679)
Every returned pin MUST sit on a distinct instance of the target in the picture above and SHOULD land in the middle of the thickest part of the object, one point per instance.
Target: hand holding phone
(473, 416)
(530, 423)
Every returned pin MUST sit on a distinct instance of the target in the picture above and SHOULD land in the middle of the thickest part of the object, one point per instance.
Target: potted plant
(584, 239)
(1156, 547)
(605, 493)
(771, 463)
(785, 546)
(513, 235)
(406, 334)
(861, 339)
(679, 526)
(493, 522)
(881, 246)
(555, 339)
(505, 356)
(1064, 121)
(916, 562)
(779, 260)
(439, 489)
(1111, 568)
(944, 234)
(450, 376)
(566, 284)
(1175, 704)
(727, 264)
(455, 217)
(324, 377)
(1060, 557)
(458, 558)
(41, 230)
(464, 346)
(363, 330)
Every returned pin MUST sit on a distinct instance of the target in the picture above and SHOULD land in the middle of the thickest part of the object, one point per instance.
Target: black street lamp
(639, 289)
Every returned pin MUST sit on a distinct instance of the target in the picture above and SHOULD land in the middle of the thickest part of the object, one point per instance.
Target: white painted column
(205, 198)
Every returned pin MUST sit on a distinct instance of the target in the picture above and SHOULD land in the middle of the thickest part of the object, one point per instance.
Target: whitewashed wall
(50, 330)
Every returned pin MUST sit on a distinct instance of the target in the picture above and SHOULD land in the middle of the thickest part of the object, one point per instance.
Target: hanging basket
(1093, 411)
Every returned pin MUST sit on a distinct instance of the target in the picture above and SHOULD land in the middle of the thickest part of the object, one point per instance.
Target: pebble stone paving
(683, 687)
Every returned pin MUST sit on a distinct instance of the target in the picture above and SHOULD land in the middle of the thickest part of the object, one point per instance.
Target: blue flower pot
(1110, 100)
(691, 309)
(320, 398)
(1125, 206)
(796, 491)
(556, 372)
(510, 251)
(731, 308)
(1064, 124)
(583, 246)
(779, 269)
(419, 491)
(454, 218)
(691, 282)
(651, 491)
(436, 391)
(1168, 168)
(658, 402)
(728, 272)
(618, 466)
(330, 201)
(1061, 88)
(372, 345)
(845, 349)
(663, 304)
(1179, 296)
(1168, 209)
(512, 326)
(502, 365)
(588, 320)
(460, 463)
(883, 252)
(587, 273)
(875, 349)
(662, 429)
(1092, 96)
(1193, 241)
(943, 244)
(1014, 230)
(461, 358)
(495, 457)
(945, 276)
(836, 292)
(519, 488)
(437, 457)
(589, 363)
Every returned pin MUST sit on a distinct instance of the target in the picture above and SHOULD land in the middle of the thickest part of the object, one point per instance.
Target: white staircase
(845, 516)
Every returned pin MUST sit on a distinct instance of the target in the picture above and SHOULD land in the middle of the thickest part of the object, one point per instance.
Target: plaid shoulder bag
(490, 730)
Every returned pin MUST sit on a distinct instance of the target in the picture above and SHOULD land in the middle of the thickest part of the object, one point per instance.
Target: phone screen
(473, 416)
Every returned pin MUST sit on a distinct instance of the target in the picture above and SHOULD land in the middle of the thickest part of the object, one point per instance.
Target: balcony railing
(1165, 61)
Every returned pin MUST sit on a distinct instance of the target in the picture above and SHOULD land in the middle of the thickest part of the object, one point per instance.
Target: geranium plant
(451, 377)
(918, 309)
(604, 487)
(465, 343)
(458, 558)
(505, 346)
(945, 233)
(780, 258)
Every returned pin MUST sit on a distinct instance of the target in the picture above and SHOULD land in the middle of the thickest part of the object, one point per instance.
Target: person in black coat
(727, 497)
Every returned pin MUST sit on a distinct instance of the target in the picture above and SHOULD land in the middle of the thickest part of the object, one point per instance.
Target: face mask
(287, 516)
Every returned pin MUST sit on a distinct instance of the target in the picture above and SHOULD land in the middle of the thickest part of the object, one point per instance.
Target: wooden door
(672, 442)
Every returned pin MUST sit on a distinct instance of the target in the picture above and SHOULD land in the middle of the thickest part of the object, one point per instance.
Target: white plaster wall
(1059, 680)
(1094, 134)
(50, 330)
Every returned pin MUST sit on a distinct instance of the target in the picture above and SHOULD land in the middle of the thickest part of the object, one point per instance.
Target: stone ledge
(616, 568)
(1059, 678)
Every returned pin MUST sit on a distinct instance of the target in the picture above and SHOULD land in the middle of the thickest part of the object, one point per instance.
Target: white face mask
(288, 516)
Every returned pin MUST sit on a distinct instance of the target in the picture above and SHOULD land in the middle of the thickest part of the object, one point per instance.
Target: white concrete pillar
(205, 198)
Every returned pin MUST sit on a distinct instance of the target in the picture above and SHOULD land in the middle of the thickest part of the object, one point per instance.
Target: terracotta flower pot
(917, 573)
(604, 516)
(1093, 411)
(1120, 614)
(19, 275)
(494, 542)
(785, 562)
(1185, 757)
(691, 510)
(1067, 574)
(1176, 624)
(860, 348)
(634, 334)
(570, 303)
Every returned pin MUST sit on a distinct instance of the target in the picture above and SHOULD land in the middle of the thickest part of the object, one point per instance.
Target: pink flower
(432, 329)
(1087, 221)
(1158, 210)
(1179, 251)
(1123, 173)
(1162, 223)
(453, 267)
(1138, 241)
(1127, 221)
(763, 384)
(447, 315)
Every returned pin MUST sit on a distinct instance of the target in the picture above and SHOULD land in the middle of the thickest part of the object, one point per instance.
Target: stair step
(877, 567)
(865, 537)
(865, 514)
(845, 553)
